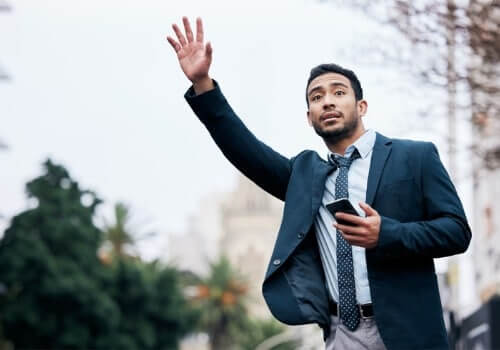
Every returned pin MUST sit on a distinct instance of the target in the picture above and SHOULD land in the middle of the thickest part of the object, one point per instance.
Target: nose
(328, 101)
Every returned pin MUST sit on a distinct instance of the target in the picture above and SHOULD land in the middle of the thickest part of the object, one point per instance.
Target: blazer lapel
(320, 172)
(381, 151)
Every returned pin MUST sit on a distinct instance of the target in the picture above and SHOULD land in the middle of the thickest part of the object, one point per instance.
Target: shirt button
(277, 262)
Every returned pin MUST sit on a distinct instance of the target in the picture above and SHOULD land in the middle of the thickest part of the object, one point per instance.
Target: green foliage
(221, 300)
(257, 331)
(57, 294)
(49, 266)
(119, 234)
(155, 310)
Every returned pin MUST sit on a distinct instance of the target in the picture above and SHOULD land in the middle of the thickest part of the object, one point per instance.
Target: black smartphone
(343, 205)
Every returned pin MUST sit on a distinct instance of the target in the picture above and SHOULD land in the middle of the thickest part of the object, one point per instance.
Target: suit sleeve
(259, 162)
(445, 230)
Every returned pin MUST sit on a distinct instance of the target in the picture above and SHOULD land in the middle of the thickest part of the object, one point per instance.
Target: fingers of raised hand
(174, 44)
(179, 35)
(199, 30)
(188, 34)
(187, 28)
(208, 50)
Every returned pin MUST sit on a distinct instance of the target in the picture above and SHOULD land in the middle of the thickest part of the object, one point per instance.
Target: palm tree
(119, 234)
(222, 299)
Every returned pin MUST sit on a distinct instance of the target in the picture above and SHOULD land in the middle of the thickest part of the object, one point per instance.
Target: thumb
(369, 211)
(208, 50)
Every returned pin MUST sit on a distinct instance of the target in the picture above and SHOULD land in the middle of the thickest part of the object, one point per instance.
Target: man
(369, 283)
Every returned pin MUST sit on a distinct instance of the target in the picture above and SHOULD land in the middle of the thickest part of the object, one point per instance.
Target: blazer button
(300, 235)
(277, 262)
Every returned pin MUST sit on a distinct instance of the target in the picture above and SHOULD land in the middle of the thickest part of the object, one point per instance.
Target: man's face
(333, 111)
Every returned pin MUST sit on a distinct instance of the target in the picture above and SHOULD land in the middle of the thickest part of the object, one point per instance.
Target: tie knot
(344, 162)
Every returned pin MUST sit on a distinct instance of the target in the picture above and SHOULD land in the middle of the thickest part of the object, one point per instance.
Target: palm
(194, 62)
(194, 57)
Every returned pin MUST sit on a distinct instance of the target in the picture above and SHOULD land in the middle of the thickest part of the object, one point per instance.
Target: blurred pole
(454, 333)
(452, 90)
(453, 262)
(4, 7)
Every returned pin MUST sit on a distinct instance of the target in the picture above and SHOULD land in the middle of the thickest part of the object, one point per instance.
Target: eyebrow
(314, 89)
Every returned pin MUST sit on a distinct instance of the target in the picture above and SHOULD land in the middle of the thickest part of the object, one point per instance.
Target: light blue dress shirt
(326, 233)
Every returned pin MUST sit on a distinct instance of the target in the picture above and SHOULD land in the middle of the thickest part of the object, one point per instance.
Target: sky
(97, 88)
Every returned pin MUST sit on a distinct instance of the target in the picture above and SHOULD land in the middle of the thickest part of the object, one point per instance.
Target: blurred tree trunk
(4, 7)
(484, 79)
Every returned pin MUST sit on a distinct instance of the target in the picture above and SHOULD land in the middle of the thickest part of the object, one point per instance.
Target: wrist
(203, 85)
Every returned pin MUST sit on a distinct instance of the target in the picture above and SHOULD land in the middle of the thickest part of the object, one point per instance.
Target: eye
(339, 92)
(315, 97)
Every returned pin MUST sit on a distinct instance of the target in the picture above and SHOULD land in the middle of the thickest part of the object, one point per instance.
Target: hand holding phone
(342, 205)
(365, 232)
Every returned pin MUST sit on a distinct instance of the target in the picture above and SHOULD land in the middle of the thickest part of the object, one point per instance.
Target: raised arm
(264, 166)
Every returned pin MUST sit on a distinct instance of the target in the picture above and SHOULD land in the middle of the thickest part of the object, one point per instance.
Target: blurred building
(194, 249)
(242, 225)
(250, 221)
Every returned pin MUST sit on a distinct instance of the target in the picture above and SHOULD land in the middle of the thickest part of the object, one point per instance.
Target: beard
(334, 136)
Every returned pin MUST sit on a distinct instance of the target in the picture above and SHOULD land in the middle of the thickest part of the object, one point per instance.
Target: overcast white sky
(97, 88)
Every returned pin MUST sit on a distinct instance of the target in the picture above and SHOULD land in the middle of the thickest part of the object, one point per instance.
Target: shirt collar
(364, 145)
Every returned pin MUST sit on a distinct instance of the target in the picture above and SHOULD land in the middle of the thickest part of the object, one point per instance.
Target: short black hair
(335, 68)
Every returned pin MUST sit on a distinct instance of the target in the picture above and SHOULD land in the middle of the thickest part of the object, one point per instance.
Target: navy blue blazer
(422, 219)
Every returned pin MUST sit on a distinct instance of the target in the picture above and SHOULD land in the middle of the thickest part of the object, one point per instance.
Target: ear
(309, 118)
(362, 107)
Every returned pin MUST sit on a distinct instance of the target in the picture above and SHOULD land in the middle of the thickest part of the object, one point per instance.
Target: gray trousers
(365, 337)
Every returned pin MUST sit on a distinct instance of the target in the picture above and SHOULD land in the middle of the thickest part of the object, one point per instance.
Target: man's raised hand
(194, 57)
